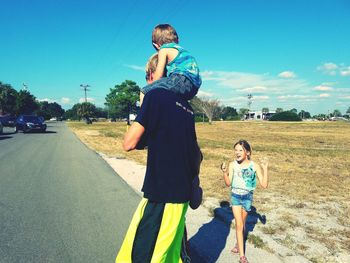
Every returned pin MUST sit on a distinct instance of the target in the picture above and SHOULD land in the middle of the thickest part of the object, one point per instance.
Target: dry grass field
(307, 203)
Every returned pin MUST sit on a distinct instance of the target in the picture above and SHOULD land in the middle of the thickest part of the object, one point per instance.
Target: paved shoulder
(60, 201)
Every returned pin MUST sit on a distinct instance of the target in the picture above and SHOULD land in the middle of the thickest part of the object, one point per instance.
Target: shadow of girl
(211, 238)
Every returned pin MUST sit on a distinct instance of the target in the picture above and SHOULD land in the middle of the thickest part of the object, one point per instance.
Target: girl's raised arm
(262, 175)
(228, 173)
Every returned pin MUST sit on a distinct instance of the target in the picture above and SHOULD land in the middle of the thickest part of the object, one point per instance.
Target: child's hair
(151, 64)
(245, 146)
(164, 33)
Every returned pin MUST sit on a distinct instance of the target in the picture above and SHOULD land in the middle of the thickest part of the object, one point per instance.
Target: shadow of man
(252, 220)
(211, 238)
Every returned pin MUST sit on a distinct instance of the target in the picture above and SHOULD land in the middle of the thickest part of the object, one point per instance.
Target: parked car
(8, 120)
(27, 123)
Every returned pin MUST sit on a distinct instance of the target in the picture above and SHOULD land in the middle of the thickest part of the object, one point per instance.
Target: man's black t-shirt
(171, 139)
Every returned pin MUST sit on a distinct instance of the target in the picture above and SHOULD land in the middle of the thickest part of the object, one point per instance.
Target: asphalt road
(59, 201)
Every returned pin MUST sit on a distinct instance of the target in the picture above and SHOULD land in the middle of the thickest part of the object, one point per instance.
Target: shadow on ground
(211, 237)
(5, 137)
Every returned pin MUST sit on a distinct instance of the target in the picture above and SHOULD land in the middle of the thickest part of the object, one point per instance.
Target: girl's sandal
(243, 259)
(235, 250)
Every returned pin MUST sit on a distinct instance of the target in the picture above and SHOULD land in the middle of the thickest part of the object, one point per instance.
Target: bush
(285, 116)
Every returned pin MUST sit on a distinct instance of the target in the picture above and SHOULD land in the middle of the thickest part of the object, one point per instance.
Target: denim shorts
(176, 83)
(244, 201)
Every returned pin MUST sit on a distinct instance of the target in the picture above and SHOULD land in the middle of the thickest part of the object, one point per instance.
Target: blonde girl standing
(241, 176)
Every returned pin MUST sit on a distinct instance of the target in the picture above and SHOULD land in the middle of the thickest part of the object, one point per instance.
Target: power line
(85, 88)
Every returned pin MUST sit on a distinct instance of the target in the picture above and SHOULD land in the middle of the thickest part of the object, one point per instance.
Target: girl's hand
(224, 167)
(264, 163)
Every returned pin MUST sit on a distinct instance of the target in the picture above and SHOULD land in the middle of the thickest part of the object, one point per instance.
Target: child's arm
(262, 176)
(227, 172)
(162, 60)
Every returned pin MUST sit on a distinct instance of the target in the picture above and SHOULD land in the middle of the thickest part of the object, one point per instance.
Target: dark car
(27, 123)
(8, 120)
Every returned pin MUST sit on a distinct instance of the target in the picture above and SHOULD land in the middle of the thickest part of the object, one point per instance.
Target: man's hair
(151, 64)
(163, 34)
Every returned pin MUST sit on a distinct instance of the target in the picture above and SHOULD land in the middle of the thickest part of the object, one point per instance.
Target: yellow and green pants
(155, 234)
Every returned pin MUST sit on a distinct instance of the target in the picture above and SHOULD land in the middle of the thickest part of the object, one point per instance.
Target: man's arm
(133, 136)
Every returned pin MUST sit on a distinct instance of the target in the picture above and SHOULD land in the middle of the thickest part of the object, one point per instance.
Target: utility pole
(85, 88)
(250, 97)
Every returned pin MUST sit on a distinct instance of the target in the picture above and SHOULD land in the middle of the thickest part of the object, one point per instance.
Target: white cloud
(204, 94)
(333, 69)
(272, 91)
(135, 67)
(345, 71)
(65, 100)
(250, 82)
(209, 75)
(47, 100)
(328, 68)
(284, 97)
(323, 88)
(81, 100)
(260, 98)
(287, 75)
(256, 89)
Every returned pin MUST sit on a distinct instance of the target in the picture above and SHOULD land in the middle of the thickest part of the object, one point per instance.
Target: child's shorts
(242, 200)
(175, 82)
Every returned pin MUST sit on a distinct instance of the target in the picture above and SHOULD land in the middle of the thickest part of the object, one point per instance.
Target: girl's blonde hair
(164, 33)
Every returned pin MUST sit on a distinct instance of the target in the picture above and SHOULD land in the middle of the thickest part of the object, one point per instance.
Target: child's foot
(243, 259)
(235, 250)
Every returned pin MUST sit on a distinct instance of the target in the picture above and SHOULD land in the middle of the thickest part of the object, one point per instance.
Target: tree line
(15, 102)
(122, 100)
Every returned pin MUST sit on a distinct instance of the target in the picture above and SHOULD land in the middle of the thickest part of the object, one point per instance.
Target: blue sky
(287, 54)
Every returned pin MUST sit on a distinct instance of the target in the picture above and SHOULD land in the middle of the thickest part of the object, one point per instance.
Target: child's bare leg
(141, 98)
(244, 215)
(238, 214)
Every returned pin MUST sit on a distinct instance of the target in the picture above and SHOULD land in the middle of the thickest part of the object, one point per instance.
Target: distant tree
(86, 109)
(101, 112)
(337, 113)
(25, 103)
(304, 114)
(321, 117)
(294, 110)
(285, 116)
(348, 110)
(122, 99)
(242, 112)
(265, 110)
(229, 113)
(278, 110)
(8, 96)
(70, 115)
(206, 105)
(49, 110)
